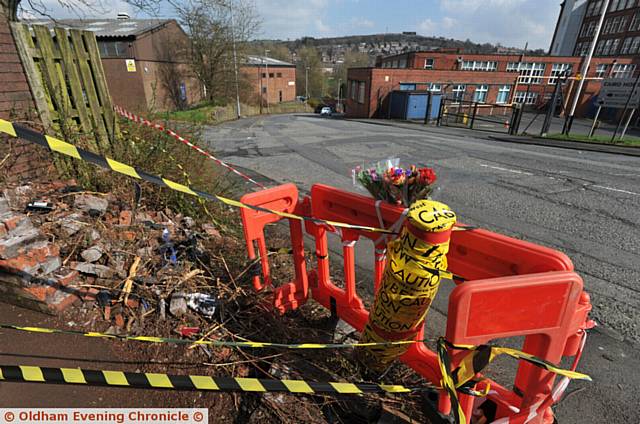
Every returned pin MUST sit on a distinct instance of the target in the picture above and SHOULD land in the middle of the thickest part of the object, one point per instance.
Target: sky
(508, 22)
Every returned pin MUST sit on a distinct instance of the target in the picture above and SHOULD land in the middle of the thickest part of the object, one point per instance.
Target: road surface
(585, 204)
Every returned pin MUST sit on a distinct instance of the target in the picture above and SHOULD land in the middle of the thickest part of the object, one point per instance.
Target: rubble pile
(114, 267)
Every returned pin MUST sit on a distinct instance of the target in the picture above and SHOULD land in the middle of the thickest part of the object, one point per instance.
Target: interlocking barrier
(504, 288)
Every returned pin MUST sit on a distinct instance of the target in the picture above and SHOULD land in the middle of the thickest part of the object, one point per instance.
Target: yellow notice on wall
(131, 65)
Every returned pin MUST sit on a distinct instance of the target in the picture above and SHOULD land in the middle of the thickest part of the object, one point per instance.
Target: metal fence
(499, 118)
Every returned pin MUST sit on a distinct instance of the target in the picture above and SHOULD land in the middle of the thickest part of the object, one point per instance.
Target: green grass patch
(605, 139)
(209, 113)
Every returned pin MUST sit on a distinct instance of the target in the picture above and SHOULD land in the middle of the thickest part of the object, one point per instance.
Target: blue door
(416, 106)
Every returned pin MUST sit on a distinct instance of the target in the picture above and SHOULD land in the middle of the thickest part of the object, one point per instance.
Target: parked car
(325, 111)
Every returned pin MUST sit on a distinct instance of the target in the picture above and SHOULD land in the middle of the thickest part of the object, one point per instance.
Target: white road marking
(616, 189)
(515, 171)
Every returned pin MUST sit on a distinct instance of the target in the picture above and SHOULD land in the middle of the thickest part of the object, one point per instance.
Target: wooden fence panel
(66, 76)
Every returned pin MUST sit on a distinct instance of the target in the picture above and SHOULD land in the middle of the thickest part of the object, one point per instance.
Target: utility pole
(261, 93)
(339, 92)
(235, 59)
(583, 73)
(306, 83)
(266, 67)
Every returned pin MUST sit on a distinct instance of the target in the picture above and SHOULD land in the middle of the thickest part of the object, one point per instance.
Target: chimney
(123, 16)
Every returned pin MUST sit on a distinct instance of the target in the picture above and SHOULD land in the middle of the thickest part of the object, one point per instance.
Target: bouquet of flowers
(398, 185)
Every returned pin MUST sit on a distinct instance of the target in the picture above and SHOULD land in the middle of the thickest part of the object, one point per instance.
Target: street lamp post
(585, 68)
(266, 67)
(306, 83)
(339, 93)
(235, 59)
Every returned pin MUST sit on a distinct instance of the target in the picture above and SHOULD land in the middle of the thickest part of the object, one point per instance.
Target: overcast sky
(508, 22)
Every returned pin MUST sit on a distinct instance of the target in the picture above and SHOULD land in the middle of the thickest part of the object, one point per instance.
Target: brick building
(141, 60)
(493, 79)
(272, 80)
(620, 35)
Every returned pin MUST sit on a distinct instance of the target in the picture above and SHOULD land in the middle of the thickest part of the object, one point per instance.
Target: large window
(428, 63)
(626, 45)
(503, 94)
(594, 8)
(361, 90)
(480, 95)
(635, 46)
(588, 29)
(528, 70)
(622, 70)
(582, 48)
(113, 49)
(435, 87)
(523, 97)
(601, 70)
(458, 92)
(558, 70)
(353, 91)
(479, 65)
(635, 22)
(407, 87)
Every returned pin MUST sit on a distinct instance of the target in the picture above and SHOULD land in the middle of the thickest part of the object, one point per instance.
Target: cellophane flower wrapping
(391, 182)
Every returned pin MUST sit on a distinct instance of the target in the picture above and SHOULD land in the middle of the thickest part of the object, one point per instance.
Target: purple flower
(399, 172)
(408, 173)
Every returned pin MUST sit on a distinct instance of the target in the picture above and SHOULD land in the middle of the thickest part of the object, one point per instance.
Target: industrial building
(491, 79)
(577, 25)
(272, 80)
(141, 59)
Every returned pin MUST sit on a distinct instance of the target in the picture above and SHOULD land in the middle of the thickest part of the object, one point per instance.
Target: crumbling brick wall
(18, 159)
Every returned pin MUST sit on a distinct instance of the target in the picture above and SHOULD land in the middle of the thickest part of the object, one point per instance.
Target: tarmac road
(586, 204)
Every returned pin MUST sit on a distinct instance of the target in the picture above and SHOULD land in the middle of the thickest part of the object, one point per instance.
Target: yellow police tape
(218, 343)
(68, 149)
(135, 380)
(409, 284)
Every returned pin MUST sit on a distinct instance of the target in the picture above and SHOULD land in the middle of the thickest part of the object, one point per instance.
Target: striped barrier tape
(217, 343)
(481, 356)
(70, 150)
(136, 380)
(135, 118)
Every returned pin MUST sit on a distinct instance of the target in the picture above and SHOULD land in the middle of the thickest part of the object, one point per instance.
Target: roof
(264, 60)
(105, 27)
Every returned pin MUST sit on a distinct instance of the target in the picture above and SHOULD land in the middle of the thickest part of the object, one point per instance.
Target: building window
(623, 23)
(407, 87)
(622, 70)
(523, 97)
(582, 48)
(264, 90)
(634, 25)
(402, 63)
(528, 71)
(279, 75)
(626, 45)
(480, 95)
(270, 74)
(635, 46)
(264, 75)
(608, 25)
(458, 92)
(435, 88)
(113, 49)
(428, 63)
(479, 65)
(614, 47)
(558, 70)
(599, 47)
(503, 94)
(601, 70)
(361, 89)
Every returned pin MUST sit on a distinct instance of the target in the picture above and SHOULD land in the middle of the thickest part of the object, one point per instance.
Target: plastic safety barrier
(505, 288)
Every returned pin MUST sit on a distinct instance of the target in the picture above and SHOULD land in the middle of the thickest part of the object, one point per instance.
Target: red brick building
(492, 79)
(620, 35)
(141, 60)
(272, 80)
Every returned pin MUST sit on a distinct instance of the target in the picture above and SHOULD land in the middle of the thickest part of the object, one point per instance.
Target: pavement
(583, 203)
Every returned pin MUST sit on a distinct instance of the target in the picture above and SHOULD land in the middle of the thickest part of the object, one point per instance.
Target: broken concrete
(87, 202)
(92, 254)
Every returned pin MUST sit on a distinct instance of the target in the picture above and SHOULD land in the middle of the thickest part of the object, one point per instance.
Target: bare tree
(213, 27)
(173, 70)
(76, 7)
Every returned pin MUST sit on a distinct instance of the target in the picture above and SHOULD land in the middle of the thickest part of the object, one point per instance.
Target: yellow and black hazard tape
(70, 150)
(216, 343)
(62, 147)
(479, 357)
(135, 380)
(482, 355)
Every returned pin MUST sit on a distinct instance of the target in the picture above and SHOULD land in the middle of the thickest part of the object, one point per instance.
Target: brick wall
(282, 81)
(18, 159)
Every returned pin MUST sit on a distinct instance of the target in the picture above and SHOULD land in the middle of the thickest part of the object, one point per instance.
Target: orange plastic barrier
(511, 288)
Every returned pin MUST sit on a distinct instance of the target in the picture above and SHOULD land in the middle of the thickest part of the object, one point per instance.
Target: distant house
(142, 60)
(271, 80)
